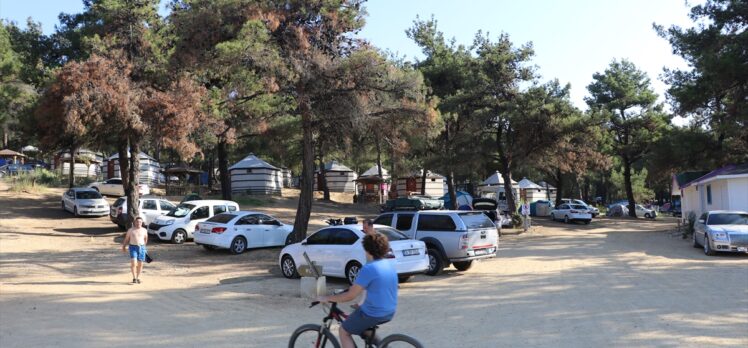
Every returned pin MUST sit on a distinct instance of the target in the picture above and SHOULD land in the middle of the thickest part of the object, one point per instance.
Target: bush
(691, 221)
(516, 220)
(34, 181)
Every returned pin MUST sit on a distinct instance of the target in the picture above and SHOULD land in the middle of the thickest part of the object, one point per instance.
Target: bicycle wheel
(308, 336)
(400, 341)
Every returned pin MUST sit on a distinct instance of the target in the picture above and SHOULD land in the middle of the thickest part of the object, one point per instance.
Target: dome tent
(253, 176)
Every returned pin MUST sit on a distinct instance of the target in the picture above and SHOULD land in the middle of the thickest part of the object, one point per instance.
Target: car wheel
(436, 264)
(179, 236)
(707, 248)
(694, 243)
(288, 267)
(351, 271)
(209, 247)
(566, 219)
(586, 222)
(403, 279)
(463, 265)
(238, 245)
(75, 212)
(647, 216)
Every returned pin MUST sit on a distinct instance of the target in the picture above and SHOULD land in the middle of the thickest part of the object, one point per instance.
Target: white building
(493, 187)
(253, 176)
(339, 178)
(435, 184)
(722, 189)
(150, 169)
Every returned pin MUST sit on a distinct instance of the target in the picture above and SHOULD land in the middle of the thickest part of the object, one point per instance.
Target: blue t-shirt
(379, 279)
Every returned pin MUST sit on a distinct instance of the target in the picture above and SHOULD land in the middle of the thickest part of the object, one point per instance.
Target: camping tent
(87, 163)
(150, 169)
(254, 176)
(339, 178)
(463, 199)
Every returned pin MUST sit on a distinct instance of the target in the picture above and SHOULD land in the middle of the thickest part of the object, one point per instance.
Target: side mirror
(702, 221)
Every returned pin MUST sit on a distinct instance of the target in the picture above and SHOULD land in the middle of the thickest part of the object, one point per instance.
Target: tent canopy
(9, 152)
(429, 174)
(495, 179)
(250, 162)
(525, 183)
(374, 171)
(463, 198)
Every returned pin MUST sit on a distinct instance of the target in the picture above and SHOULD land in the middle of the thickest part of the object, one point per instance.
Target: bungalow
(339, 178)
(722, 189)
(411, 184)
(253, 176)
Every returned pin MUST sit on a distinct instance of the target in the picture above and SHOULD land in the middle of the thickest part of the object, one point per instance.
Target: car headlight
(168, 222)
(719, 235)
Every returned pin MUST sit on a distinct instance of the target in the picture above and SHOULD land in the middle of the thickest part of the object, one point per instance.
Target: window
(709, 194)
(120, 201)
(266, 220)
(149, 204)
(404, 222)
(427, 222)
(114, 181)
(321, 237)
(728, 219)
(201, 213)
(392, 234)
(233, 208)
(476, 220)
(166, 205)
(222, 218)
(87, 195)
(340, 236)
(248, 220)
(385, 219)
(217, 209)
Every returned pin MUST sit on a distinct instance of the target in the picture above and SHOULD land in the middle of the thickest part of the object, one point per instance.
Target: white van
(178, 225)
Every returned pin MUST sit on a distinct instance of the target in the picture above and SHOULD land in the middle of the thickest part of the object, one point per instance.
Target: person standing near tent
(525, 212)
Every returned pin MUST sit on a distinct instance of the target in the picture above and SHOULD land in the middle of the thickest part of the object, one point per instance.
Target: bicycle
(319, 336)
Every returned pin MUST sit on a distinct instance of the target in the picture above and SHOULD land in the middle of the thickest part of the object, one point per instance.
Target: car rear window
(728, 219)
(428, 222)
(391, 233)
(578, 206)
(87, 195)
(222, 218)
(476, 220)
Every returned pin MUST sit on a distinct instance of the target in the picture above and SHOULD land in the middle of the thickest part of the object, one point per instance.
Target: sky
(573, 39)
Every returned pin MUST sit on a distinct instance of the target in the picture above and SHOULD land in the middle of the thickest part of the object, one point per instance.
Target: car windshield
(87, 195)
(476, 220)
(578, 206)
(222, 218)
(391, 233)
(181, 210)
(120, 201)
(728, 219)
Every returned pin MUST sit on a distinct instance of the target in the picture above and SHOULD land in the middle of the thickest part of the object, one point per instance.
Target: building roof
(251, 162)
(726, 172)
(525, 183)
(141, 155)
(495, 179)
(9, 152)
(334, 166)
(429, 174)
(374, 172)
(684, 178)
(545, 184)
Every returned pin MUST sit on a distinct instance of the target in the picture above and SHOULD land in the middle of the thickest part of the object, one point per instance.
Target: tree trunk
(424, 175)
(133, 196)
(73, 150)
(223, 170)
(211, 164)
(124, 165)
(505, 163)
(304, 209)
(322, 176)
(379, 167)
(451, 191)
(393, 170)
(629, 189)
(559, 186)
(509, 191)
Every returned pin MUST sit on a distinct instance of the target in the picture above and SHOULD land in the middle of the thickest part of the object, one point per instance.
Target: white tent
(254, 176)
(150, 169)
(374, 172)
(526, 184)
(339, 178)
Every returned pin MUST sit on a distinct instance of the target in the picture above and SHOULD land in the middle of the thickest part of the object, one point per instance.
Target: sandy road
(63, 283)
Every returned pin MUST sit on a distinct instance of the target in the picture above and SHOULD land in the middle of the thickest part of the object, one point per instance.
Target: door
(699, 228)
(341, 250)
(149, 209)
(315, 246)
(273, 233)
(404, 224)
(69, 200)
(199, 214)
(249, 227)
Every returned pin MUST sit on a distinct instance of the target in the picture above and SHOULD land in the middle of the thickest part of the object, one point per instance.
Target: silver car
(721, 230)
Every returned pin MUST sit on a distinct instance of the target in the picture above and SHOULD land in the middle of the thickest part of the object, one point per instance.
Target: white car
(178, 225)
(647, 213)
(594, 211)
(84, 201)
(242, 230)
(339, 250)
(150, 209)
(113, 187)
(571, 212)
(721, 230)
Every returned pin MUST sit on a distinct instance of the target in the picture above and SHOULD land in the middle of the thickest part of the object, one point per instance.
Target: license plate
(411, 252)
(204, 230)
(481, 252)
(742, 249)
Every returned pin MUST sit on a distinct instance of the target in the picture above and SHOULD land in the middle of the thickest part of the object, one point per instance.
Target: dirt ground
(621, 283)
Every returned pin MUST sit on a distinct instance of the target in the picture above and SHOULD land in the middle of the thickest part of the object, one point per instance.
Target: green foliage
(35, 181)
(638, 185)
(690, 222)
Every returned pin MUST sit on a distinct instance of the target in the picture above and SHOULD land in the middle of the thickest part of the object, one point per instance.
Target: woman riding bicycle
(379, 278)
